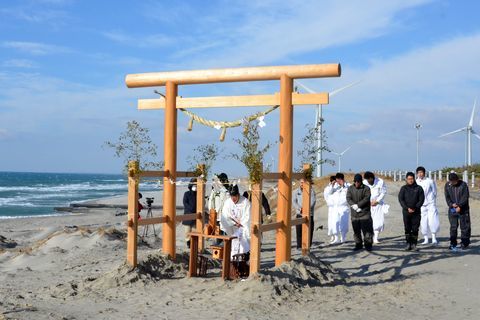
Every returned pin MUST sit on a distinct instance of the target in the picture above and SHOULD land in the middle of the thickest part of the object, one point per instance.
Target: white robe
(341, 210)
(217, 198)
(332, 215)
(240, 212)
(378, 191)
(430, 222)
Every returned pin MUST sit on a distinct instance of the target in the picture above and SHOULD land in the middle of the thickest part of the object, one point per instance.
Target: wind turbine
(469, 131)
(340, 155)
(319, 123)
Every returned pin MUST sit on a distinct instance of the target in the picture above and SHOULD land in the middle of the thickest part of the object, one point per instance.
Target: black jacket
(265, 205)
(458, 194)
(189, 206)
(360, 197)
(411, 196)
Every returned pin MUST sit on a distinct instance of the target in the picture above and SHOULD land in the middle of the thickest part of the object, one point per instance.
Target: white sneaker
(425, 241)
(434, 243)
(335, 240)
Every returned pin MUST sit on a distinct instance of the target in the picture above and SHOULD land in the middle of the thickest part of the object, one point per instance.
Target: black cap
(452, 176)
(357, 178)
(234, 190)
(223, 177)
(410, 174)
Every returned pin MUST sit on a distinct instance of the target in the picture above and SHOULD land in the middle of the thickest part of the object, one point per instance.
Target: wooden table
(227, 248)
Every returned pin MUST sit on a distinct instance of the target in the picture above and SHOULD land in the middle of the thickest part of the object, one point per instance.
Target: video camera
(149, 201)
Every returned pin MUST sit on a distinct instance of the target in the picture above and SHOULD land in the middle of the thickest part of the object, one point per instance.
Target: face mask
(194, 189)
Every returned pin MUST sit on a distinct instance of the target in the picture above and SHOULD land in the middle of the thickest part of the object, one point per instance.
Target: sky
(63, 65)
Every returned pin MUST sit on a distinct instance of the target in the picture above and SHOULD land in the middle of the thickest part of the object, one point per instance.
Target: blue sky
(63, 63)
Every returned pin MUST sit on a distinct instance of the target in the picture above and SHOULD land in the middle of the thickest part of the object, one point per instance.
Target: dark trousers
(411, 221)
(299, 232)
(364, 226)
(465, 228)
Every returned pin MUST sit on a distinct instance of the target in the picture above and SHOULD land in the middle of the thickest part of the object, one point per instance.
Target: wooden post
(192, 263)
(255, 222)
(133, 169)
(284, 205)
(170, 153)
(306, 193)
(227, 251)
(201, 206)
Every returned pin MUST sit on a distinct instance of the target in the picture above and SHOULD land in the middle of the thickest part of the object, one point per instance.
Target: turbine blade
(475, 134)
(470, 123)
(449, 133)
(346, 150)
(304, 87)
(334, 92)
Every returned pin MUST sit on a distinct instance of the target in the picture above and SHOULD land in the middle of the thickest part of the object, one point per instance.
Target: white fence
(439, 175)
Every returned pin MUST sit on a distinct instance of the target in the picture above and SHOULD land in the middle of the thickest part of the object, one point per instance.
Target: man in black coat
(411, 198)
(358, 197)
(457, 194)
(190, 206)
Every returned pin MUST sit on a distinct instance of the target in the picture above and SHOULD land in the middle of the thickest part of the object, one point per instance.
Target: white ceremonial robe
(430, 222)
(332, 215)
(378, 191)
(338, 198)
(240, 212)
(217, 198)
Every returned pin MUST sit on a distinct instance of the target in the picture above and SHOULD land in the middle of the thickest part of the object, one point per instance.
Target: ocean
(25, 194)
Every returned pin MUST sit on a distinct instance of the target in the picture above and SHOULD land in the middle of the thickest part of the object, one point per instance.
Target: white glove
(355, 207)
(359, 210)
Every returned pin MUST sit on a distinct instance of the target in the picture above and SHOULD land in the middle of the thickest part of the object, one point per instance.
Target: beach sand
(73, 267)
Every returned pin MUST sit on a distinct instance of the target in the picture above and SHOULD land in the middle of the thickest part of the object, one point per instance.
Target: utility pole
(418, 126)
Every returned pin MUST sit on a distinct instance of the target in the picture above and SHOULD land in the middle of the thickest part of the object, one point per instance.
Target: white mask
(194, 188)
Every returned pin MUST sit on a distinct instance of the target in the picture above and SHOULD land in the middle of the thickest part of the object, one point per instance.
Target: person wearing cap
(378, 208)
(332, 216)
(358, 197)
(235, 221)
(457, 195)
(430, 223)
(297, 205)
(190, 206)
(411, 198)
(218, 196)
(338, 198)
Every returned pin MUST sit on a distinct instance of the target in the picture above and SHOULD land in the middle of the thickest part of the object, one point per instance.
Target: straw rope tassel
(190, 124)
(222, 135)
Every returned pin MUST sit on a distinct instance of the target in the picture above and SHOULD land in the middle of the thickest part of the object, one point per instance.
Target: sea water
(25, 194)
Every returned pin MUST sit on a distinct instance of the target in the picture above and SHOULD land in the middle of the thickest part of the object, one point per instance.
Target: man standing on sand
(338, 196)
(411, 198)
(297, 206)
(358, 197)
(332, 216)
(457, 194)
(378, 208)
(430, 223)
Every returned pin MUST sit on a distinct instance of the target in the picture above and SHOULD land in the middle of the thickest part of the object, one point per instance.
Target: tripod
(146, 227)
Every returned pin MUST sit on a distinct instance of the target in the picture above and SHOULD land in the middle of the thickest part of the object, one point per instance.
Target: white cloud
(35, 48)
(19, 63)
(153, 40)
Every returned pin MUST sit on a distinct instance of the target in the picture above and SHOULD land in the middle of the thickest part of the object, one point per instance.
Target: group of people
(364, 203)
(361, 204)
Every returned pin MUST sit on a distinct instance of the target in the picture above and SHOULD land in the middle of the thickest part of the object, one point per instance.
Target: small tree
(252, 154)
(205, 154)
(135, 144)
(308, 153)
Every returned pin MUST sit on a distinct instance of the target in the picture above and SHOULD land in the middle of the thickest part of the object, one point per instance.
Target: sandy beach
(73, 267)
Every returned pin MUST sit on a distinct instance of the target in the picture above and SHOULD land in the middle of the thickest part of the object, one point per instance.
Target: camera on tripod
(149, 201)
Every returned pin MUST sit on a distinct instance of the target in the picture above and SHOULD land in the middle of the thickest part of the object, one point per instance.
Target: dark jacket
(360, 197)
(458, 194)
(265, 205)
(189, 205)
(411, 196)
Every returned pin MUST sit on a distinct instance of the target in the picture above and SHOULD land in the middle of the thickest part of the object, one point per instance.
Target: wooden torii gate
(285, 99)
